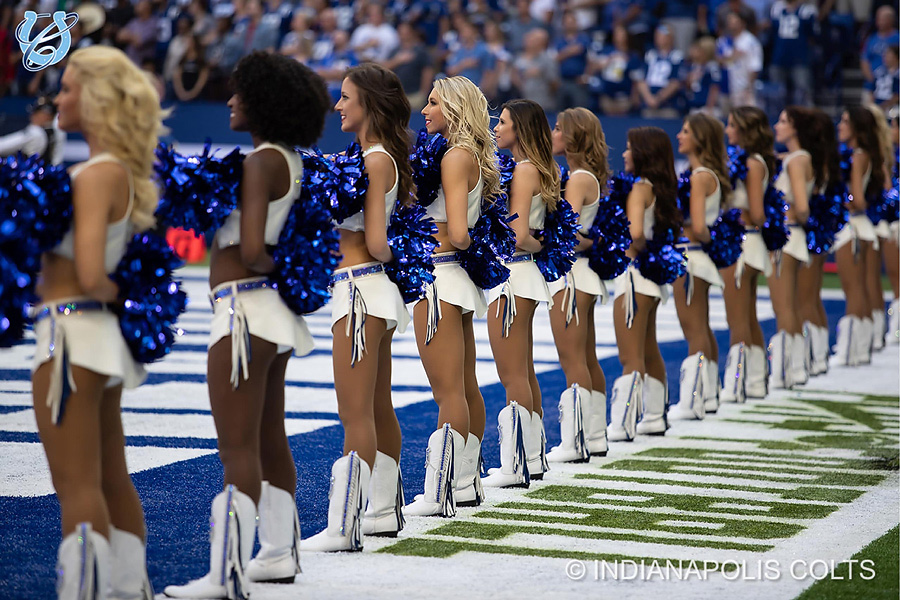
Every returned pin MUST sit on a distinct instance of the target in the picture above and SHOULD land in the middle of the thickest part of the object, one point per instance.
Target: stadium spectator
(204, 22)
(41, 136)
(177, 46)
(571, 55)
(734, 6)
(683, 18)
(223, 51)
(517, 26)
(542, 11)
(587, 13)
(299, 40)
(794, 24)
(375, 39)
(498, 86)
(535, 72)
(885, 35)
(430, 17)
(140, 34)
(333, 66)
(192, 72)
(471, 58)
(324, 42)
(412, 64)
(702, 77)
(617, 68)
(885, 89)
(660, 86)
(632, 15)
(255, 33)
(742, 54)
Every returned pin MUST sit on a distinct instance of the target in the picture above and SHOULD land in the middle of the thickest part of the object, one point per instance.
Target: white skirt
(454, 286)
(796, 244)
(883, 229)
(631, 282)
(754, 254)
(381, 298)
(90, 339)
(701, 266)
(525, 281)
(581, 278)
(859, 228)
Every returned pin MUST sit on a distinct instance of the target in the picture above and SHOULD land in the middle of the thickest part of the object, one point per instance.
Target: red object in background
(830, 264)
(187, 245)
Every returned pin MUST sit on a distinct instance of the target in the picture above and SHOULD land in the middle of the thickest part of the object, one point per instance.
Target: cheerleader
(81, 360)
(702, 140)
(788, 348)
(579, 137)
(523, 130)
(253, 333)
(822, 146)
(366, 310)
(746, 366)
(457, 110)
(639, 396)
(858, 130)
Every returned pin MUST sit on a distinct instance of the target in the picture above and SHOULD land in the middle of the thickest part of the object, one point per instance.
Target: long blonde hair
(120, 109)
(533, 137)
(710, 137)
(884, 138)
(586, 141)
(468, 126)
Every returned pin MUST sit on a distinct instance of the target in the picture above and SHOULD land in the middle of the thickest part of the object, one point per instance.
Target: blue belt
(244, 287)
(69, 308)
(751, 230)
(443, 258)
(519, 258)
(689, 246)
(359, 272)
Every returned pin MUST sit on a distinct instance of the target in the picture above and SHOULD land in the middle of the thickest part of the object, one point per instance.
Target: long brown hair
(806, 124)
(865, 128)
(388, 111)
(756, 134)
(585, 140)
(709, 135)
(826, 141)
(653, 159)
(533, 136)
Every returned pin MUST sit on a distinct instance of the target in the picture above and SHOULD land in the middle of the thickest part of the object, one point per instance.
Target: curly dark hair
(651, 153)
(284, 100)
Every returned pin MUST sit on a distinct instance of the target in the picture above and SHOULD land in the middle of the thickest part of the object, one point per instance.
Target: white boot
(878, 325)
(128, 578)
(595, 424)
(232, 526)
(654, 405)
(757, 376)
(82, 566)
(468, 490)
(443, 461)
(692, 389)
(780, 353)
(845, 347)
(894, 322)
(626, 409)
(572, 417)
(818, 351)
(278, 559)
(734, 381)
(534, 445)
(513, 471)
(346, 498)
(711, 387)
(384, 515)
(799, 358)
(864, 341)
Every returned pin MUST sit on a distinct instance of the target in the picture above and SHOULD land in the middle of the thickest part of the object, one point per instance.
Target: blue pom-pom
(619, 187)
(845, 154)
(726, 237)
(308, 250)
(411, 238)
(16, 292)
(609, 231)
(827, 215)
(198, 192)
(35, 201)
(559, 240)
(426, 166)
(151, 299)
(352, 182)
(662, 261)
(891, 204)
(775, 230)
(737, 164)
(684, 194)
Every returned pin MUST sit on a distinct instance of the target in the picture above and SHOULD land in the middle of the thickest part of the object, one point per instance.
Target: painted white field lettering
(822, 569)
(731, 570)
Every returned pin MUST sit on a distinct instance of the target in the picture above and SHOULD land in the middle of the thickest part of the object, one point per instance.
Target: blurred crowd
(655, 58)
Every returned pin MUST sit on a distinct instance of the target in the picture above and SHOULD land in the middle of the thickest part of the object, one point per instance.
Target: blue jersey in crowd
(886, 84)
(876, 44)
(479, 51)
(794, 27)
(699, 80)
(617, 76)
(661, 69)
(574, 66)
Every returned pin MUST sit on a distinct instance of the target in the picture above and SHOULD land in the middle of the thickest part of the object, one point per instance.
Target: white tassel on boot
(655, 405)
(443, 460)
(468, 490)
(864, 341)
(534, 445)
(626, 409)
(513, 471)
(800, 360)
(128, 578)
(692, 389)
(82, 566)
(232, 525)
(384, 515)
(894, 322)
(734, 381)
(818, 348)
(711, 387)
(878, 325)
(346, 499)
(595, 424)
(781, 377)
(845, 347)
(757, 377)
(278, 559)
(572, 419)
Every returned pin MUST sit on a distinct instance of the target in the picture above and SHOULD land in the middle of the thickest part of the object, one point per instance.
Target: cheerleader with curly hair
(253, 333)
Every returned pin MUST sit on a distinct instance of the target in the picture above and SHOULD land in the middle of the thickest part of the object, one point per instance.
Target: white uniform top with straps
(711, 204)
(437, 210)
(588, 211)
(867, 175)
(118, 234)
(783, 182)
(357, 222)
(538, 210)
(649, 212)
(230, 232)
(739, 196)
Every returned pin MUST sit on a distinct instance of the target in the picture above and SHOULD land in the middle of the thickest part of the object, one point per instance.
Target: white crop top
(649, 212)
(783, 182)
(739, 196)
(538, 210)
(118, 234)
(867, 175)
(712, 203)
(357, 222)
(230, 232)
(588, 211)
(437, 210)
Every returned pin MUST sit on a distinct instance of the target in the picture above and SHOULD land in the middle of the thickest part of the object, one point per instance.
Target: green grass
(848, 411)
(885, 558)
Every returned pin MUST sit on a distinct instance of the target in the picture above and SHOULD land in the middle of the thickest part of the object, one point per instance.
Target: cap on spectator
(42, 103)
(91, 16)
